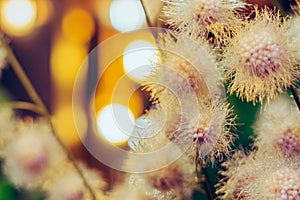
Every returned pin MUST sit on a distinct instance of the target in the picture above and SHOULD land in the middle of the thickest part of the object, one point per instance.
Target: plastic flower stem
(296, 96)
(15, 64)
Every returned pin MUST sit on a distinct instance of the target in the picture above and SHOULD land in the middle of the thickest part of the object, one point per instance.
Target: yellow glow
(18, 16)
(138, 59)
(44, 11)
(64, 124)
(115, 123)
(78, 25)
(66, 58)
(126, 15)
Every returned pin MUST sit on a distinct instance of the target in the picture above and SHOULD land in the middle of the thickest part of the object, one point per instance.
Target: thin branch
(15, 64)
(207, 184)
(146, 14)
(23, 77)
(205, 181)
(23, 105)
(295, 95)
(197, 165)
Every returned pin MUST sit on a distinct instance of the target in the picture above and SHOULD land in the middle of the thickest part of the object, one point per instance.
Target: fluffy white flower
(33, 153)
(276, 178)
(262, 59)
(261, 175)
(278, 128)
(198, 17)
(7, 127)
(189, 92)
(173, 180)
(68, 185)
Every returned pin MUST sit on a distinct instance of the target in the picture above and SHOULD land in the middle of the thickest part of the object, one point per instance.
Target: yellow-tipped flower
(261, 175)
(198, 17)
(260, 60)
(188, 91)
(237, 176)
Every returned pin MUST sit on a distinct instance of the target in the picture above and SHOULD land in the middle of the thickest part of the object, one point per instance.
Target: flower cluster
(277, 153)
(181, 85)
(198, 18)
(246, 177)
(208, 46)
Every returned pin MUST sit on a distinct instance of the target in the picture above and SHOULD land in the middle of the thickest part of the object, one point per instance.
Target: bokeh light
(44, 11)
(65, 126)
(138, 59)
(18, 16)
(66, 58)
(126, 15)
(78, 25)
(115, 122)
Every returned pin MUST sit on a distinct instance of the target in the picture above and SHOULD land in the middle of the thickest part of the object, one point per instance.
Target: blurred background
(51, 39)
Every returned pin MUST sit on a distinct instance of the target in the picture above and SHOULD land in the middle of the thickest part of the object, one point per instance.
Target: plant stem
(197, 165)
(15, 64)
(146, 14)
(205, 181)
(23, 78)
(207, 184)
(25, 106)
(295, 95)
(73, 161)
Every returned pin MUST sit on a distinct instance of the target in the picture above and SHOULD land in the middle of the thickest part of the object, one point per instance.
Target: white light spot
(126, 15)
(138, 59)
(115, 122)
(19, 13)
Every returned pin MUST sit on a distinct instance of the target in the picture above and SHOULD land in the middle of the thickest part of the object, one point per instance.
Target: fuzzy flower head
(237, 176)
(208, 133)
(283, 184)
(283, 136)
(7, 126)
(172, 177)
(277, 178)
(261, 175)
(186, 70)
(68, 185)
(198, 17)
(174, 180)
(260, 59)
(187, 86)
(29, 157)
(183, 64)
(293, 34)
